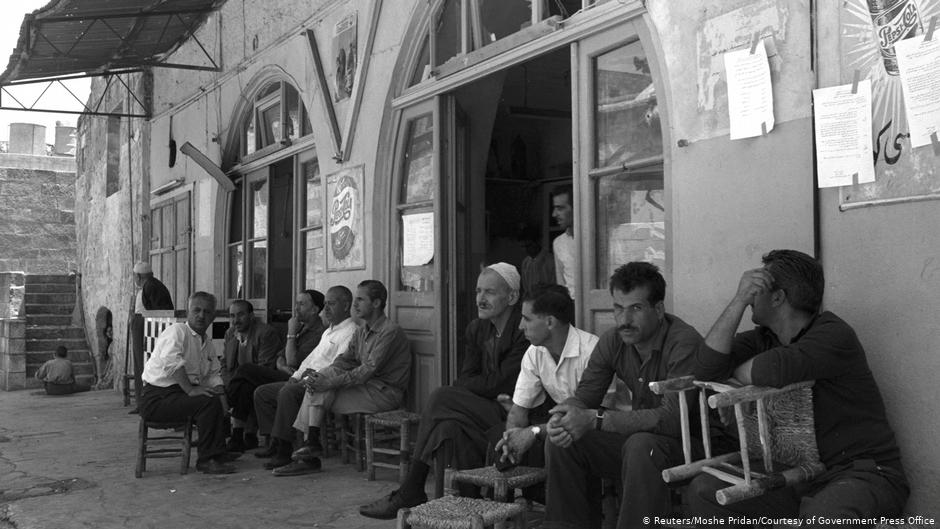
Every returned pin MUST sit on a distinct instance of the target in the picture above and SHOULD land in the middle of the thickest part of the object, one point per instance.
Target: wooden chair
(454, 512)
(352, 442)
(777, 439)
(163, 443)
(502, 483)
(398, 425)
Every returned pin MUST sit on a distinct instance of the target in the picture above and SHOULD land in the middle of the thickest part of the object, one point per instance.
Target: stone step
(43, 278)
(49, 332)
(49, 319)
(42, 308)
(51, 288)
(50, 344)
(49, 298)
(38, 358)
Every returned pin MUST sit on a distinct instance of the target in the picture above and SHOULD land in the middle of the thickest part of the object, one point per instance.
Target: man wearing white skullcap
(464, 411)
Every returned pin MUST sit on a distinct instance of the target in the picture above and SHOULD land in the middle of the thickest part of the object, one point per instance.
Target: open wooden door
(620, 204)
(418, 289)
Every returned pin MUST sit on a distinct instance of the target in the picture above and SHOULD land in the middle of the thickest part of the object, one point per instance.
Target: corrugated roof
(71, 37)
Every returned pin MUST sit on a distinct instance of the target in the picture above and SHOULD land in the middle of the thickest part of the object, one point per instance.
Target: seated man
(370, 376)
(183, 381)
(464, 411)
(248, 342)
(551, 369)
(277, 403)
(794, 342)
(633, 446)
(57, 375)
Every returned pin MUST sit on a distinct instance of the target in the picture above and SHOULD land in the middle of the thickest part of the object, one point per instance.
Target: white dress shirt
(178, 346)
(565, 252)
(540, 374)
(334, 341)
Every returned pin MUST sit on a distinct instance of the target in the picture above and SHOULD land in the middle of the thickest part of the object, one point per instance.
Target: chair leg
(187, 445)
(500, 490)
(370, 455)
(141, 449)
(404, 457)
(343, 445)
(476, 522)
(358, 419)
(402, 522)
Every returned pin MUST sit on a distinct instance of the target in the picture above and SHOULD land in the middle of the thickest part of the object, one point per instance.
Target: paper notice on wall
(919, 67)
(843, 135)
(417, 239)
(750, 92)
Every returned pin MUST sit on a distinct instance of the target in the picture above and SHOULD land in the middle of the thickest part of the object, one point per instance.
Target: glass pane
(447, 32)
(418, 161)
(310, 172)
(314, 259)
(259, 269)
(236, 267)
(503, 17)
(631, 218)
(259, 209)
(626, 115)
(271, 125)
(235, 222)
(417, 252)
(250, 144)
(293, 113)
(268, 90)
(423, 67)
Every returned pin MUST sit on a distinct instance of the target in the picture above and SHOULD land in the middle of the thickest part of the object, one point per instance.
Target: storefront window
(312, 253)
(236, 268)
(416, 206)
(626, 115)
(259, 268)
(418, 170)
(314, 259)
(259, 209)
(277, 114)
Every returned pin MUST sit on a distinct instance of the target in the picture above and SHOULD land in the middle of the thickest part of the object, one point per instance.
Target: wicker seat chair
(776, 435)
(454, 512)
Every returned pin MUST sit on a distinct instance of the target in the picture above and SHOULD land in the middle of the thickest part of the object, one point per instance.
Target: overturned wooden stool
(502, 483)
(453, 512)
(401, 422)
(183, 439)
(778, 434)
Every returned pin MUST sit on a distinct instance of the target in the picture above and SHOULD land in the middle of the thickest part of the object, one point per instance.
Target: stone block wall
(12, 354)
(37, 228)
(11, 294)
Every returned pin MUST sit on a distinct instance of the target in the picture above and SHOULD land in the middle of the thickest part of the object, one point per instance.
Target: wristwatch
(599, 419)
(536, 431)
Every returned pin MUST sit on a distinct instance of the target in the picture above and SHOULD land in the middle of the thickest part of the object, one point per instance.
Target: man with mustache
(464, 411)
(587, 441)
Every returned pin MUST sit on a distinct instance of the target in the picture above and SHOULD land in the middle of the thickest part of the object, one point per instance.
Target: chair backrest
(792, 428)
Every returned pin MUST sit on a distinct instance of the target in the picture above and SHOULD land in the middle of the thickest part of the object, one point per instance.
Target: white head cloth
(508, 272)
(142, 267)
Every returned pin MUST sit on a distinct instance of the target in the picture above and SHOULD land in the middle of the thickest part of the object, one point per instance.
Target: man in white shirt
(183, 381)
(551, 369)
(564, 246)
(277, 403)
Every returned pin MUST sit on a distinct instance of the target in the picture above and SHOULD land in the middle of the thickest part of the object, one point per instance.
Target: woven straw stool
(502, 483)
(452, 512)
(399, 420)
(144, 440)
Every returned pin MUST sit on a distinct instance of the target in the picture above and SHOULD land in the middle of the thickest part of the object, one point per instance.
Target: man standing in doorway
(152, 295)
(564, 246)
(588, 442)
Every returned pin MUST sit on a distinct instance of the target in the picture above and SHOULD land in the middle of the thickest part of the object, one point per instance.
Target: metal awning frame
(145, 111)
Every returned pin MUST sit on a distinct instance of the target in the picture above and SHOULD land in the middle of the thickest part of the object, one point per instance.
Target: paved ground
(68, 462)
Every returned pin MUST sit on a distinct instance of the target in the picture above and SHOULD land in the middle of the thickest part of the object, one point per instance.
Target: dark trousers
(64, 389)
(456, 414)
(276, 406)
(137, 354)
(637, 461)
(859, 490)
(241, 389)
(172, 404)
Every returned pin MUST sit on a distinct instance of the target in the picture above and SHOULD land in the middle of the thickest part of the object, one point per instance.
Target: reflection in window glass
(314, 259)
(271, 125)
(626, 114)
(236, 267)
(259, 208)
(259, 267)
(631, 218)
(503, 17)
(418, 161)
(310, 172)
(293, 113)
(447, 32)
(250, 145)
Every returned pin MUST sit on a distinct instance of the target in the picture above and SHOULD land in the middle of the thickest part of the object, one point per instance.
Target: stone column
(12, 354)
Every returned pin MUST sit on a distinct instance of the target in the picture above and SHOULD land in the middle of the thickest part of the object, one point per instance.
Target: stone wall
(37, 228)
(12, 354)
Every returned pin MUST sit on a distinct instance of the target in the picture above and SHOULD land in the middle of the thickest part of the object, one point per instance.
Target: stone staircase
(48, 304)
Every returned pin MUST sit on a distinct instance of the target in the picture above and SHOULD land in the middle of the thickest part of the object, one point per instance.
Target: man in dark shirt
(153, 295)
(795, 342)
(588, 442)
(248, 343)
(464, 411)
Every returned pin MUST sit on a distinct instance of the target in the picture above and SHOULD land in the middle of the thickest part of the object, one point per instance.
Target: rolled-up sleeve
(529, 392)
(167, 357)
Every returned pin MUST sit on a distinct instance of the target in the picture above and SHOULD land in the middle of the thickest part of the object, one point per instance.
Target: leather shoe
(386, 508)
(276, 461)
(307, 452)
(214, 466)
(299, 468)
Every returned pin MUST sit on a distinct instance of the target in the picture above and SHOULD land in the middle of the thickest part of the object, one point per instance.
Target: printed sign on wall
(344, 191)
